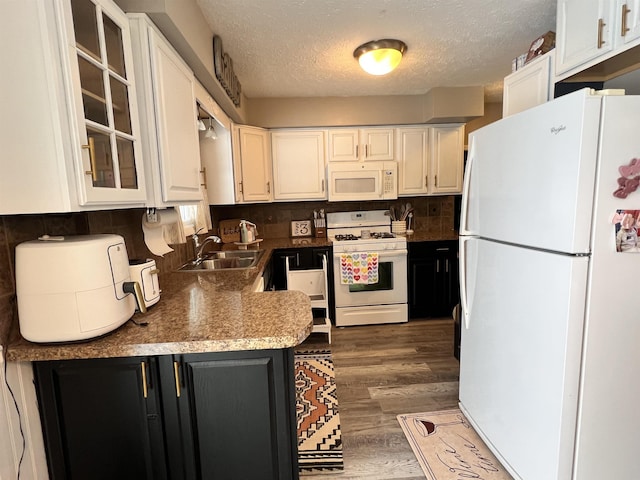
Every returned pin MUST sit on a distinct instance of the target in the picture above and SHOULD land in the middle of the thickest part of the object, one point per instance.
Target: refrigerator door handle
(464, 208)
(464, 304)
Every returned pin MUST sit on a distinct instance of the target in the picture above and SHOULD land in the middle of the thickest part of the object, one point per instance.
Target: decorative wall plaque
(223, 68)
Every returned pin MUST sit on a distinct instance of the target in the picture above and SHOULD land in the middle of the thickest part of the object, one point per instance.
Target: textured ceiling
(304, 48)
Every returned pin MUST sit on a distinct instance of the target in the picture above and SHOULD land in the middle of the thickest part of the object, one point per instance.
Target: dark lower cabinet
(433, 278)
(99, 419)
(197, 416)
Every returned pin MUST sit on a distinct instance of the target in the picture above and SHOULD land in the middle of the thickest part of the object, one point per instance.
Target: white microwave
(353, 181)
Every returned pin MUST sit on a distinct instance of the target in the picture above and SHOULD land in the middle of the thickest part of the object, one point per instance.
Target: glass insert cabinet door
(111, 158)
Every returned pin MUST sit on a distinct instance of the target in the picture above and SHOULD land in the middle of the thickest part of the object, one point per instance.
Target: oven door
(390, 289)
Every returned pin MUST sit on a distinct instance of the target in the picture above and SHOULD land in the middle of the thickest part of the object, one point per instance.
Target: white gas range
(363, 243)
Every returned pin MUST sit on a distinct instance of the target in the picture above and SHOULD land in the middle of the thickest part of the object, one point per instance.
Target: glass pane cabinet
(74, 134)
(105, 84)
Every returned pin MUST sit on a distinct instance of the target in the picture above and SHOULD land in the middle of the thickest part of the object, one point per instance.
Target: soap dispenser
(244, 232)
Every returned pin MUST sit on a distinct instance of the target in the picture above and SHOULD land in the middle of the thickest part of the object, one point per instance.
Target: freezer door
(530, 177)
(520, 353)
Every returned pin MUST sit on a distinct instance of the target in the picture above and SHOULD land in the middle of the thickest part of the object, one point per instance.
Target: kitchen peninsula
(206, 385)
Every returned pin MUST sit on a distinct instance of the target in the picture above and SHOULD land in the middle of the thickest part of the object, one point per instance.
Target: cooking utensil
(406, 209)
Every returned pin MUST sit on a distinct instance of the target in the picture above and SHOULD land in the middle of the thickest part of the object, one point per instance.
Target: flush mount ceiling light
(379, 57)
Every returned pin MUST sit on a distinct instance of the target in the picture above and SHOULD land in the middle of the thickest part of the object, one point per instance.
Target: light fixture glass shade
(380, 56)
(211, 132)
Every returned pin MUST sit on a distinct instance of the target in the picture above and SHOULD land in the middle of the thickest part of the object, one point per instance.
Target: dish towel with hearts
(358, 268)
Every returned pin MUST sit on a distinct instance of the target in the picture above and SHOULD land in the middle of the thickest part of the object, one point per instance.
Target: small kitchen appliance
(368, 233)
(360, 181)
(145, 273)
(73, 287)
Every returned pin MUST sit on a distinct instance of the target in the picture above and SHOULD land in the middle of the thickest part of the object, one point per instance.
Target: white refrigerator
(550, 352)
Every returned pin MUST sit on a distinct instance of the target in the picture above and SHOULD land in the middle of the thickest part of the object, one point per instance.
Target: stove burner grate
(383, 235)
(346, 236)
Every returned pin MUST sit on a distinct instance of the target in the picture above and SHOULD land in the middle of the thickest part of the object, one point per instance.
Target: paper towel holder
(152, 215)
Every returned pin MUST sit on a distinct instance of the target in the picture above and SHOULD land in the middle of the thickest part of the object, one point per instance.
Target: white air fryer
(73, 287)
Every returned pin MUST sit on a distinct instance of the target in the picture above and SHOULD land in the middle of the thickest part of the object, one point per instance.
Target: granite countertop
(204, 312)
(197, 312)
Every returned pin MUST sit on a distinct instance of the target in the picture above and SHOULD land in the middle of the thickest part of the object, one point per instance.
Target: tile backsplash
(432, 214)
(15, 229)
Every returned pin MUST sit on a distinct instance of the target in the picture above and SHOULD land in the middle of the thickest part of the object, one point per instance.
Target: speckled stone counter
(197, 312)
(205, 312)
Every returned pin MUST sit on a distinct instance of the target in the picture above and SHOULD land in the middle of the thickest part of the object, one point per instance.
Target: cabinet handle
(601, 26)
(176, 374)
(438, 266)
(241, 189)
(323, 185)
(357, 149)
(446, 265)
(92, 160)
(436, 182)
(366, 151)
(624, 29)
(268, 187)
(204, 177)
(145, 390)
(426, 181)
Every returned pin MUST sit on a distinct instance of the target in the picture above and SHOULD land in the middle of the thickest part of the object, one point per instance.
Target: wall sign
(301, 228)
(223, 68)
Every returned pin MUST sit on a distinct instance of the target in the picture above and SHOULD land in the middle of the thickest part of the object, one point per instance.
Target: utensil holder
(399, 227)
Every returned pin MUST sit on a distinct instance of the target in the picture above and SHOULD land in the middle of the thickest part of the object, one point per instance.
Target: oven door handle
(381, 254)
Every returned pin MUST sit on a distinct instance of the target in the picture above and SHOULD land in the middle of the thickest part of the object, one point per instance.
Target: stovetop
(349, 237)
(362, 231)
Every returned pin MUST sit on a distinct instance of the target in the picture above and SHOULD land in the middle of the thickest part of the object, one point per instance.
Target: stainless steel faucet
(200, 246)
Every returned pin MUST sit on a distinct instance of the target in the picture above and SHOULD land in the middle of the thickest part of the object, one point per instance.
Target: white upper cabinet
(589, 31)
(584, 31)
(298, 164)
(629, 20)
(530, 86)
(447, 159)
(70, 131)
(350, 144)
(166, 96)
(430, 159)
(413, 160)
(252, 164)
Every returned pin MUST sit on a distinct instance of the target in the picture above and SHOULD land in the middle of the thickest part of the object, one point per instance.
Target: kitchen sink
(231, 260)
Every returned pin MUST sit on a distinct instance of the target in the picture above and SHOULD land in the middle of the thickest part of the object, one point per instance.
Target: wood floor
(382, 371)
